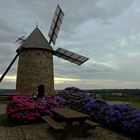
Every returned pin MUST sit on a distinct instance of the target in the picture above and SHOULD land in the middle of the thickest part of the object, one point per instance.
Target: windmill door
(41, 91)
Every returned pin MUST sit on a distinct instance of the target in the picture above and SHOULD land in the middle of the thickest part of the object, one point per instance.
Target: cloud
(106, 31)
(89, 70)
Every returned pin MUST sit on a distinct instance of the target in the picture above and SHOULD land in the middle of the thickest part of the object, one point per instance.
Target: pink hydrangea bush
(24, 109)
(21, 109)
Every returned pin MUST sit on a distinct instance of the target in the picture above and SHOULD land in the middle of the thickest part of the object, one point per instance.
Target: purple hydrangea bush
(50, 102)
(73, 96)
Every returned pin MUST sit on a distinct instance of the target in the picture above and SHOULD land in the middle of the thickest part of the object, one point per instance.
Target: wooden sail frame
(70, 56)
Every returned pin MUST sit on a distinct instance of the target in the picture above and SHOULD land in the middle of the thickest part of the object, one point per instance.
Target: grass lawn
(7, 123)
(3, 102)
(135, 104)
(4, 121)
(134, 101)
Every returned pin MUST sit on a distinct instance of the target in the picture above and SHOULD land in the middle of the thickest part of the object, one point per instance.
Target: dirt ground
(41, 132)
(2, 108)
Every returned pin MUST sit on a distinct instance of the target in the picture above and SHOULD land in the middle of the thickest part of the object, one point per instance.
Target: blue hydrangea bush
(122, 117)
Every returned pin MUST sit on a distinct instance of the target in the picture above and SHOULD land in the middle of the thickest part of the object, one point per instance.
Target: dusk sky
(105, 31)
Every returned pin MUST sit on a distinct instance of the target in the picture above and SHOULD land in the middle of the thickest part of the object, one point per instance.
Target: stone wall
(35, 67)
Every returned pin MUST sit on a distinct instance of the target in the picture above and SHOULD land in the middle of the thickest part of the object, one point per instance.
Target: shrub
(120, 116)
(24, 109)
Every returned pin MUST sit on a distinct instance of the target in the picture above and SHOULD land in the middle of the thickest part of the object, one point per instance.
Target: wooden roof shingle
(36, 40)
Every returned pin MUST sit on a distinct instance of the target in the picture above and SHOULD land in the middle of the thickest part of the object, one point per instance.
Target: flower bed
(120, 117)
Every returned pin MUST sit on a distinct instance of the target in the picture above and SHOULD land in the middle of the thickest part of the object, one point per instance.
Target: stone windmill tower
(35, 64)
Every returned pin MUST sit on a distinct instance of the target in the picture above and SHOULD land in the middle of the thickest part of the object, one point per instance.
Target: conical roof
(36, 40)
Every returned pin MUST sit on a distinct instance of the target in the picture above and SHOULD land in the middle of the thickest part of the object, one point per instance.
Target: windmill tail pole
(10, 65)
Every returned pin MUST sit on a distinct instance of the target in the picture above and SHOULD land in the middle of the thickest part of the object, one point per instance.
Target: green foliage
(5, 122)
(136, 104)
(134, 101)
(3, 102)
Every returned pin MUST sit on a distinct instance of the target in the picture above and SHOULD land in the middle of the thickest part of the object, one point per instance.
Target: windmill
(35, 63)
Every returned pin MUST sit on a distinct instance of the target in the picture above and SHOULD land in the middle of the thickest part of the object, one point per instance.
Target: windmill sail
(55, 26)
(14, 59)
(70, 56)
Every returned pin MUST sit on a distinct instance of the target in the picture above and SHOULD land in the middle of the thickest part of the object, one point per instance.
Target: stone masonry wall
(35, 67)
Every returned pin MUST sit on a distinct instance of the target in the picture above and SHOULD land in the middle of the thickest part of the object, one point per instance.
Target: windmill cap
(36, 40)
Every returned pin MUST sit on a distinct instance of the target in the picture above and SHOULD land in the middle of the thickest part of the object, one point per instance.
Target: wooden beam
(10, 65)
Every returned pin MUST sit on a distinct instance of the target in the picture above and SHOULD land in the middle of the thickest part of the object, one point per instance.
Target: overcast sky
(106, 31)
